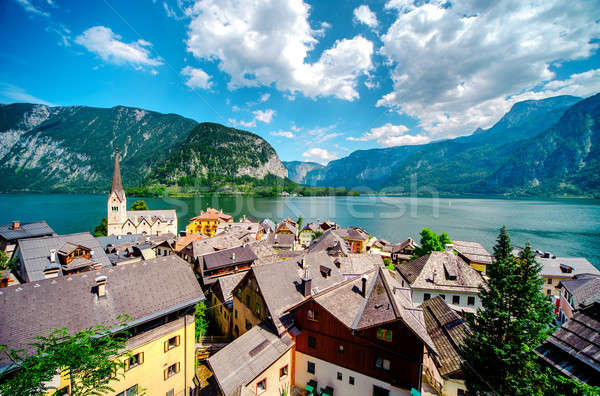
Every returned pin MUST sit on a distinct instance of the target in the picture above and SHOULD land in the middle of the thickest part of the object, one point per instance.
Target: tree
(515, 317)
(431, 242)
(5, 262)
(86, 357)
(316, 234)
(299, 222)
(201, 320)
(139, 205)
(388, 263)
(102, 228)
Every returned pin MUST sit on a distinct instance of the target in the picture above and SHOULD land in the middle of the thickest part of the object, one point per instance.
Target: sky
(316, 79)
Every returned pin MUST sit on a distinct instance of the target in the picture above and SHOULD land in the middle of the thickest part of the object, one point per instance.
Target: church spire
(117, 184)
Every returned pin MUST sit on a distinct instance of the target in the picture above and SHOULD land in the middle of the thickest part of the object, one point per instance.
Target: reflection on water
(565, 227)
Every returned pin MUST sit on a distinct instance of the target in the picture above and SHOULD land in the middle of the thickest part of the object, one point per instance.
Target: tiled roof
(329, 242)
(473, 251)
(228, 257)
(226, 284)
(282, 239)
(26, 230)
(289, 225)
(165, 216)
(352, 233)
(583, 288)
(247, 356)
(141, 290)
(555, 267)
(314, 227)
(186, 240)
(448, 332)
(574, 349)
(210, 245)
(397, 247)
(35, 252)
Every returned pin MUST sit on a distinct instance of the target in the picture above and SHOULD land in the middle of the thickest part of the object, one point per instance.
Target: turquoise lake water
(566, 227)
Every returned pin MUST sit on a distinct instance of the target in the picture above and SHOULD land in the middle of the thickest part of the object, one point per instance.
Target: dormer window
(384, 335)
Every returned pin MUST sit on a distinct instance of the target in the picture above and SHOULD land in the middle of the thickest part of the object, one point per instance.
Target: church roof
(117, 183)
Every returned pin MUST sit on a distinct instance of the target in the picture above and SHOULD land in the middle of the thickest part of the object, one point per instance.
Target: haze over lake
(566, 227)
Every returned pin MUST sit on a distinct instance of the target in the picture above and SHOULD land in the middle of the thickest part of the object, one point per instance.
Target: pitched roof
(281, 239)
(186, 240)
(226, 284)
(352, 233)
(574, 349)
(473, 251)
(397, 247)
(141, 290)
(228, 257)
(164, 215)
(559, 267)
(35, 252)
(25, 230)
(247, 356)
(582, 288)
(448, 332)
(289, 225)
(331, 243)
(314, 227)
(441, 271)
(117, 183)
(210, 245)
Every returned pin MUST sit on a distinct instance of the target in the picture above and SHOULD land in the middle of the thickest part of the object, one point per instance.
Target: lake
(566, 227)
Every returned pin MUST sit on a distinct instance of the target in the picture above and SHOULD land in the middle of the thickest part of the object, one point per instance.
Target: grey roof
(247, 356)
(583, 288)
(473, 251)
(398, 247)
(353, 233)
(229, 257)
(35, 252)
(226, 284)
(269, 223)
(290, 225)
(142, 290)
(555, 267)
(331, 243)
(26, 230)
(164, 215)
(282, 239)
(116, 240)
(313, 227)
(210, 245)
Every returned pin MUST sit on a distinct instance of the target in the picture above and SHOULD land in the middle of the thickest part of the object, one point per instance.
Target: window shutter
(178, 340)
(141, 358)
(177, 368)
(166, 345)
(126, 364)
(166, 373)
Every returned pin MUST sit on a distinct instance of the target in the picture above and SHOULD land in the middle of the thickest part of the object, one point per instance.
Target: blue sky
(317, 79)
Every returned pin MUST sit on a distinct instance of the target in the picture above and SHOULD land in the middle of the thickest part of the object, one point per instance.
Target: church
(146, 222)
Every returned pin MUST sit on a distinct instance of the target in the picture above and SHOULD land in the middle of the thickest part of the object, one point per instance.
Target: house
(400, 252)
(242, 229)
(576, 293)
(58, 255)
(474, 254)
(573, 350)
(308, 233)
(220, 302)
(11, 233)
(446, 275)
(224, 262)
(355, 237)
(268, 225)
(287, 226)
(328, 225)
(257, 363)
(125, 249)
(194, 250)
(159, 295)
(556, 269)
(448, 332)
(122, 221)
(282, 241)
(208, 222)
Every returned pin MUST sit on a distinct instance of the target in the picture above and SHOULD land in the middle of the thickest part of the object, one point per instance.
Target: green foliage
(139, 205)
(388, 263)
(5, 262)
(514, 319)
(299, 222)
(202, 322)
(430, 242)
(85, 357)
(102, 228)
(317, 234)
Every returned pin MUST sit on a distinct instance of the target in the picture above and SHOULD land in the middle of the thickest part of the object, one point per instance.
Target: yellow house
(158, 294)
(207, 222)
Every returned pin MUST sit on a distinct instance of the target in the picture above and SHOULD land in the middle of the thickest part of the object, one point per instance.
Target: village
(292, 308)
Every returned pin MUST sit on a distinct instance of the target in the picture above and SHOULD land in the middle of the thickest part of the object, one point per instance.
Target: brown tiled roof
(186, 240)
(448, 332)
(329, 242)
(395, 248)
(583, 288)
(229, 257)
(352, 233)
(473, 251)
(209, 245)
(226, 284)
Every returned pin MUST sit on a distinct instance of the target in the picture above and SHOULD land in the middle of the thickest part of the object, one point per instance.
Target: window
(471, 300)
(312, 342)
(248, 325)
(171, 392)
(460, 392)
(549, 281)
(171, 370)
(257, 308)
(235, 313)
(456, 300)
(351, 380)
(261, 386)
(339, 376)
(340, 349)
(248, 301)
(426, 296)
(382, 363)
(310, 367)
(313, 315)
(384, 334)
(378, 391)
(172, 343)
(548, 291)
(129, 391)
(443, 296)
(283, 372)
(134, 361)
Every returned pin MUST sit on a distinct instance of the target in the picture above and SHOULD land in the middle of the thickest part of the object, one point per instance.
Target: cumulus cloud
(264, 115)
(458, 66)
(264, 43)
(107, 45)
(363, 14)
(286, 134)
(197, 78)
(390, 135)
(319, 155)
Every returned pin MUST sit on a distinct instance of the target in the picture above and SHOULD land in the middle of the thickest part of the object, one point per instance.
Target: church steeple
(117, 202)
(117, 183)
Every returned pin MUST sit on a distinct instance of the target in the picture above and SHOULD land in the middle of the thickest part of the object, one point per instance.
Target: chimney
(449, 247)
(363, 281)
(306, 283)
(53, 255)
(101, 285)
(16, 225)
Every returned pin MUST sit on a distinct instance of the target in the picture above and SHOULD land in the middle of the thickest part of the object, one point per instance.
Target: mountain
(297, 170)
(46, 148)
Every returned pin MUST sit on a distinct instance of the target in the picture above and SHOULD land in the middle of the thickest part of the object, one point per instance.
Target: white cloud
(458, 66)
(264, 115)
(197, 78)
(363, 14)
(18, 94)
(246, 124)
(264, 43)
(390, 135)
(319, 155)
(264, 97)
(108, 45)
(327, 136)
(295, 128)
(286, 134)
(63, 32)
(30, 8)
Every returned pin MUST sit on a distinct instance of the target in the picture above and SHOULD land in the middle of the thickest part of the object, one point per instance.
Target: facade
(474, 254)
(11, 233)
(220, 302)
(308, 233)
(287, 226)
(575, 294)
(208, 222)
(356, 238)
(147, 222)
(557, 269)
(162, 319)
(400, 252)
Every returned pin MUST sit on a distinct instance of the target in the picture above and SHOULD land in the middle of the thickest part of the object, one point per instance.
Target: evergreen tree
(513, 320)
(139, 205)
(102, 228)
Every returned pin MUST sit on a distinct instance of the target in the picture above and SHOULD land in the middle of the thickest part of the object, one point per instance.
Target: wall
(243, 314)
(221, 315)
(274, 384)
(551, 289)
(417, 295)
(326, 375)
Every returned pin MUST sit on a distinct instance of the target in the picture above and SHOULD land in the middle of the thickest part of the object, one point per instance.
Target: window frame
(168, 345)
(382, 334)
(310, 364)
(455, 299)
(314, 342)
(140, 361)
(312, 315)
(351, 380)
(265, 388)
(340, 376)
(471, 298)
(282, 377)
(426, 296)
(167, 373)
